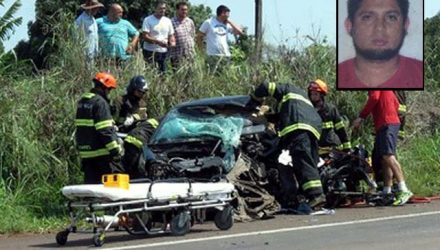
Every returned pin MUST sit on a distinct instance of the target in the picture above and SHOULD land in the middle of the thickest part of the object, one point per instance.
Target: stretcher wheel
(99, 239)
(180, 224)
(223, 219)
(61, 237)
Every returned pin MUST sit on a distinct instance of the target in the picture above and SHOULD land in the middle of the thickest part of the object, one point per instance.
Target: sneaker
(402, 198)
(317, 201)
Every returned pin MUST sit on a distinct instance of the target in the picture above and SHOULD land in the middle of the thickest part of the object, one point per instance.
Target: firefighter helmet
(319, 86)
(106, 79)
(137, 83)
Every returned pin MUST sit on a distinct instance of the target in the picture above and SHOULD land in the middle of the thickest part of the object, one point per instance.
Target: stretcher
(170, 206)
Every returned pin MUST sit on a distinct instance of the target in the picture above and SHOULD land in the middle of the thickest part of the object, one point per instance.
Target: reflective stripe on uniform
(312, 184)
(113, 145)
(339, 125)
(327, 125)
(88, 95)
(104, 124)
(402, 108)
(271, 88)
(290, 96)
(94, 153)
(153, 122)
(324, 150)
(84, 122)
(136, 116)
(133, 140)
(303, 126)
(346, 145)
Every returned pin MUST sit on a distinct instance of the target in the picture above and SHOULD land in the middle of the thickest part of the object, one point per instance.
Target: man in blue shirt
(115, 34)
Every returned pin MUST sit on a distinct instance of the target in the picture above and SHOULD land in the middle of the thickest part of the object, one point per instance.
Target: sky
(282, 19)
(27, 11)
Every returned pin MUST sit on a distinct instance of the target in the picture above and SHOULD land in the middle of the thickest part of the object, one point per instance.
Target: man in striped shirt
(184, 33)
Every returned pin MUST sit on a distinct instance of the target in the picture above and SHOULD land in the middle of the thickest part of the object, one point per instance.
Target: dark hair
(354, 5)
(181, 4)
(158, 3)
(221, 9)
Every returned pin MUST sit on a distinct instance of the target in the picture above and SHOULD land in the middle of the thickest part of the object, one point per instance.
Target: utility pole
(258, 28)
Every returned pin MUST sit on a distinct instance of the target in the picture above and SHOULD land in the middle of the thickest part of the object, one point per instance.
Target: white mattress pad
(161, 191)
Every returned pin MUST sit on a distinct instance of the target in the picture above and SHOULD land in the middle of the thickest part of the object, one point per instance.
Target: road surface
(413, 226)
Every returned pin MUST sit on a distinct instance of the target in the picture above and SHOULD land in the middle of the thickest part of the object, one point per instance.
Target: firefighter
(135, 148)
(333, 128)
(401, 97)
(300, 127)
(96, 138)
(131, 107)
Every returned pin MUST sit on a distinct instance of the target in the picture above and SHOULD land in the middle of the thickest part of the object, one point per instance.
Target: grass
(37, 152)
(421, 164)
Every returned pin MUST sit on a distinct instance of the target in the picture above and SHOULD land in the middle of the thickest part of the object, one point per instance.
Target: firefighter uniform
(134, 145)
(299, 129)
(401, 97)
(96, 137)
(333, 128)
(125, 106)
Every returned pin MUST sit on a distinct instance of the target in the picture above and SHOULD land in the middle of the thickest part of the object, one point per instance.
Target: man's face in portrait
(378, 29)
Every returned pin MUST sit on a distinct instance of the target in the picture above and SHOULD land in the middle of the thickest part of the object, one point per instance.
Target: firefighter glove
(129, 121)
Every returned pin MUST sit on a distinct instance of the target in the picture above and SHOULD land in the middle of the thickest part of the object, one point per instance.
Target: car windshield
(199, 123)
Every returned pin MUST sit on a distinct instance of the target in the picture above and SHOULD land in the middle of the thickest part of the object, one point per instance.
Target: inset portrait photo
(380, 44)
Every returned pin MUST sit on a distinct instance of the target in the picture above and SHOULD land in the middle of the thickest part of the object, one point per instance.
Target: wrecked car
(216, 138)
(228, 137)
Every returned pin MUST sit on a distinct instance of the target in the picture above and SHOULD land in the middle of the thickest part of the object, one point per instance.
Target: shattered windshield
(199, 122)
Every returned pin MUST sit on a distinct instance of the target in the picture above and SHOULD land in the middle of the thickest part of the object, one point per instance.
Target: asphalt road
(414, 226)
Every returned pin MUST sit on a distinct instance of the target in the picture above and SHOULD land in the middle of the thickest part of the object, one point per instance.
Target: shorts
(386, 140)
(385, 144)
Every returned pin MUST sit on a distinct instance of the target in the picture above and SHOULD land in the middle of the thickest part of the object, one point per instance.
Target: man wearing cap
(86, 24)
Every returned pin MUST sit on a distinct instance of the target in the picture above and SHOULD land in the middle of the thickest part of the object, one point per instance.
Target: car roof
(238, 101)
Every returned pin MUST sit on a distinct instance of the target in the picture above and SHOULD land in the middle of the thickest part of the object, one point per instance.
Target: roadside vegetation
(37, 110)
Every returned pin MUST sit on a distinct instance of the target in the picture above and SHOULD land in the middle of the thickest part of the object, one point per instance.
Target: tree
(7, 25)
(8, 22)
(49, 12)
(432, 47)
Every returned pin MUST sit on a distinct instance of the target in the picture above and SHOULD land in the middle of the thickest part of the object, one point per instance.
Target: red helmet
(319, 86)
(106, 79)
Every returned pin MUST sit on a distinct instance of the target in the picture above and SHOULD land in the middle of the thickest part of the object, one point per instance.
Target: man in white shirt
(216, 30)
(86, 24)
(158, 35)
